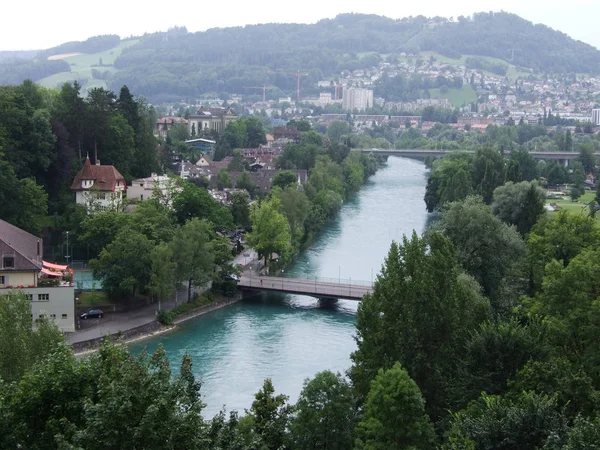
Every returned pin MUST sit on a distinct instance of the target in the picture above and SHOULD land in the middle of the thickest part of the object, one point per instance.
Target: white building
(99, 187)
(144, 188)
(21, 265)
(596, 116)
(357, 99)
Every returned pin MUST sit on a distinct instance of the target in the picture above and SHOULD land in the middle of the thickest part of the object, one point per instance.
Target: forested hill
(180, 64)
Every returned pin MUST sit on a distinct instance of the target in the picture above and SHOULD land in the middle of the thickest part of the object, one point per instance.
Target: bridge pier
(327, 302)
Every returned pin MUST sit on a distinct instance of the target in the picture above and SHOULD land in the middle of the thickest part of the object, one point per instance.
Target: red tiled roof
(105, 177)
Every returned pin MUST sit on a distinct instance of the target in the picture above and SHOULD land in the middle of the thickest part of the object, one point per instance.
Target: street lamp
(67, 256)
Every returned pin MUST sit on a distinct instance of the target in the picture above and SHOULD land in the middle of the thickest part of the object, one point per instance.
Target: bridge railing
(334, 281)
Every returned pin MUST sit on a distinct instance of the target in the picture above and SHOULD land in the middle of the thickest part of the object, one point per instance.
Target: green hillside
(82, 66)
(177, 65)
(458, 97)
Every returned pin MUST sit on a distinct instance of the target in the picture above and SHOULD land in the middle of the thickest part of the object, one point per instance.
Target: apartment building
(357, 99)
(22, 268)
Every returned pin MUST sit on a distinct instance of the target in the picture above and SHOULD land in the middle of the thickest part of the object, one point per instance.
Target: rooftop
(105, 178)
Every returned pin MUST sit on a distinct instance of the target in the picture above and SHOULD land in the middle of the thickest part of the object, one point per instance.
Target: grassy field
(513, 71)
(81, 67)
(578, 207)
(458, 97)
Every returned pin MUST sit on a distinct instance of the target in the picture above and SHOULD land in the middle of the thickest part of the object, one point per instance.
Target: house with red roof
(99, 187)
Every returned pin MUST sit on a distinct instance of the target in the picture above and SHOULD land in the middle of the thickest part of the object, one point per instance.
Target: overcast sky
(41, 24)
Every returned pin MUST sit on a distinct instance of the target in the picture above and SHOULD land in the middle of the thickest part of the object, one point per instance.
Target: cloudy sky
(40, 24)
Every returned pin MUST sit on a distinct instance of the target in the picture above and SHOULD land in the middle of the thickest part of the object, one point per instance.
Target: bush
(165, 318)
(185, 308)
(48, 282)
(228, 288)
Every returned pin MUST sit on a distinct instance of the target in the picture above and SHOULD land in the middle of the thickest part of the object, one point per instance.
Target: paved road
(315, 288)
(112, 323)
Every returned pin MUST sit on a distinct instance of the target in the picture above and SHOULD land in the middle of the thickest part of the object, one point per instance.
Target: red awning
(54, 266)
(51, 273)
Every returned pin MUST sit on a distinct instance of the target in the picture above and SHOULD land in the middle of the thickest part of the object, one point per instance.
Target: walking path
(113, 323)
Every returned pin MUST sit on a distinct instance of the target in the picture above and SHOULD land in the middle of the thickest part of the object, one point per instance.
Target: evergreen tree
(420, 310)
(394, 414)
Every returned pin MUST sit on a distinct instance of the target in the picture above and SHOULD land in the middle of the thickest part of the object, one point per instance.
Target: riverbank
(153, 328)
(289, 338)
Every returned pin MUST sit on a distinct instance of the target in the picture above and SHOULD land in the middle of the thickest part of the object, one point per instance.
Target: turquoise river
(290, 338)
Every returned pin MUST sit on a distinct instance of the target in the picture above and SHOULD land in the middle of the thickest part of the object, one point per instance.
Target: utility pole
(67, 256)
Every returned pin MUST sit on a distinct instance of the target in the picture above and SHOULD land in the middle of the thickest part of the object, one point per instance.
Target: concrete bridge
(319, 288)
(562, 157)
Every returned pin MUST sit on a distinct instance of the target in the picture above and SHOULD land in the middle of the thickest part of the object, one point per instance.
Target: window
(8, 262)
(2, 279)
(64, 316)
(42, 316)
(29, 297)
(53, 316)
(43, 297)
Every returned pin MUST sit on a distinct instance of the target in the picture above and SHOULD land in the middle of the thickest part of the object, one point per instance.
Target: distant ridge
(177, 64)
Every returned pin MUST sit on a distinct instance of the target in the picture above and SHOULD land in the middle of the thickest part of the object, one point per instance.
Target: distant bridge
(330, 289)
(416, 153)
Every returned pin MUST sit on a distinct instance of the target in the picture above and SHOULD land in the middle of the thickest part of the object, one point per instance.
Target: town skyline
(53, 26)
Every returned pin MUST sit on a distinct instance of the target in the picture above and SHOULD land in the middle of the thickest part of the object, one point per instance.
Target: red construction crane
(298, 74)
(264, 89)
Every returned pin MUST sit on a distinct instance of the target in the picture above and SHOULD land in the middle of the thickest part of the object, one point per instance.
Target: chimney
(97, 162)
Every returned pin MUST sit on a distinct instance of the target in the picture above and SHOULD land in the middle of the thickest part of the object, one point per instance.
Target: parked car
(91, 314)
(231, 276)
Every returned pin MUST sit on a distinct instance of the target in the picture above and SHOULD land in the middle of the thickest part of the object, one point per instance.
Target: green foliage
(22, 202)
(271, 417)
(194, 255)
(485, 247)
(215, 61)
(568, 304)
(325, 414)
(528, 422)
(97, 403)
(245, 182)
(573, 388)
(295, 206)
(21, 345)
(420, 311)
(337, 129)
(223, 180)
(493, 354)
(284, 179)
(451, 180)
(124, 265)
(394, 414)
(240, 209)
(162, 279)
(165, 318)
(270, 230)
(194, 202)
(197, 302)
(560, 238)
(519, 204)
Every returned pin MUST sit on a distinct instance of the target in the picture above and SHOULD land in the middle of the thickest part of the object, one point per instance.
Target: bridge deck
(313, 288)
(421, 153)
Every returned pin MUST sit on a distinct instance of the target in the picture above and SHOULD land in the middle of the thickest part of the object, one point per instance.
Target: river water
(290, 338)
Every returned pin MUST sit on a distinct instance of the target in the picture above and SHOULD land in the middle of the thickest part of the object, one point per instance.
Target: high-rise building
(596, 116)
(357, 99)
